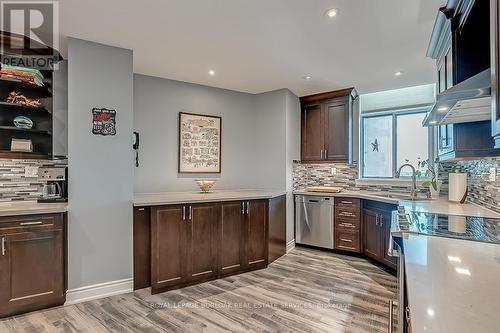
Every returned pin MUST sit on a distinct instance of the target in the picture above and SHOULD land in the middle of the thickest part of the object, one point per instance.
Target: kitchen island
(185, 238)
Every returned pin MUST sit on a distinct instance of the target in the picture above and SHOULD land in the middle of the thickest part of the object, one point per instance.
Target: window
(390, 139)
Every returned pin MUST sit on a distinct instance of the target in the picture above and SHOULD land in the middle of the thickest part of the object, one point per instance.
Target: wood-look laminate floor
(304, 291)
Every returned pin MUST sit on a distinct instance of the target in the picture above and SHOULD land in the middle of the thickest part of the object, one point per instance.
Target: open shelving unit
(41, 133)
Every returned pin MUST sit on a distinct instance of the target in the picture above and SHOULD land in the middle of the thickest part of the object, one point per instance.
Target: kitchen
(218, 166)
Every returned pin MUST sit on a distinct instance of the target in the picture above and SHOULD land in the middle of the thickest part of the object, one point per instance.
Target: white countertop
(453, 285)
(169, 198)
(437, 206)
(30, 208)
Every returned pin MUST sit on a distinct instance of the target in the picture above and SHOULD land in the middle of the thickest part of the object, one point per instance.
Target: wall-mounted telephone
(135, 146)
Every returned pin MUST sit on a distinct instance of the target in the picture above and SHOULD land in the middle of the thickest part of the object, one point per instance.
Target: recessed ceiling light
(307, 77)
(332, 12)
(397, 74)
(211, 72)
(430, 312)
(444, 108)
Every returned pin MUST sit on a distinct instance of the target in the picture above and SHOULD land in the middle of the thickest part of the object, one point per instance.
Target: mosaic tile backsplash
(14, 185)
(481, 190)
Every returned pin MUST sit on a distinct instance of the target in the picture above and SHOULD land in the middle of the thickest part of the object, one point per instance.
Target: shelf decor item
(23, 122)
(18, 98)
(205, 185)
(199, 143)
(103, 121)
(21, 145)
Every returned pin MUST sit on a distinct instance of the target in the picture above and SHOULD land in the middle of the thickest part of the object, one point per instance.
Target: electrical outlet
(493, 174)
(333, 171)
(31, 171)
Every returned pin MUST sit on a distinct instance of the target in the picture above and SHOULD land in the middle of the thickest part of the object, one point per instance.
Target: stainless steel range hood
(468, 101)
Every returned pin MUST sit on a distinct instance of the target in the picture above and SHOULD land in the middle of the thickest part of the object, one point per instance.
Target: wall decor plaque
(199, 143)
(103, 121)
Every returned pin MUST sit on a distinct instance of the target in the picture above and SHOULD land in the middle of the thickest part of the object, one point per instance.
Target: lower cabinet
(194, 243)
(376, 231)
(32, 263)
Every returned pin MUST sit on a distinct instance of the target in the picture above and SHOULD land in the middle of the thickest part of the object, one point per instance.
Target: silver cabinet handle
(326, 154)
(346, 202)
(346, 214)
(381, 221)
(183, 213)
(248, 204)
(346, 240)
(31, 223)
(376, 219)
(243, 208)
(141, 209)
(3, 246)
(190, 212)
(321, 154)
(390, 316)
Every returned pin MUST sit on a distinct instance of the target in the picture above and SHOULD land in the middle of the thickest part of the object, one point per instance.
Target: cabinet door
(231, 238)
(202, 242)
(385, 227)
(168, 246)
(495, 70)
(337, 130)
(142, 247)
(32, 270)
(312, 133)
(371, 234)
(257, 236)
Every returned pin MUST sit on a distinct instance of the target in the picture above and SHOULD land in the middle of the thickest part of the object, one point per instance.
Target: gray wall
(157, 103)
(101, 168)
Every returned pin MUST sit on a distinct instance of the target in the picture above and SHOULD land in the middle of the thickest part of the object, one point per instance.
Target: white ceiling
(261, 45)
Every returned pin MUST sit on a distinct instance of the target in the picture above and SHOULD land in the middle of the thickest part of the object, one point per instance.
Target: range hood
(468, 101)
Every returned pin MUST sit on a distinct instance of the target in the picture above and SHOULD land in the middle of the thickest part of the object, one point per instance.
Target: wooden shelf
(14, 106)
(12, 128)
(23, 155)
(28, 89)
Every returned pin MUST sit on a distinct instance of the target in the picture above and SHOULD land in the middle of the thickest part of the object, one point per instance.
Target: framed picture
(199, 143)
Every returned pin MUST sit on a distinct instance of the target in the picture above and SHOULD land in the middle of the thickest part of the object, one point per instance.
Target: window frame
(394, 112)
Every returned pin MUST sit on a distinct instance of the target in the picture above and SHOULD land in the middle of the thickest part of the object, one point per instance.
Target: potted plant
(431, 171)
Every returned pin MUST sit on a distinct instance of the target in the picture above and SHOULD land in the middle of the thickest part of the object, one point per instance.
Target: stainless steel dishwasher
(314, 220)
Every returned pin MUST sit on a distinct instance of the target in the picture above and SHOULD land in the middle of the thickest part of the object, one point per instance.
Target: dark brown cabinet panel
(168, 246)
(277, 227)
(371, 234)
(142, 251)
(257, 229)
(312, 133)
(337, 136)
(376, 231)
(232, 237)
(32, 263)
(202, 242)
(330, 126)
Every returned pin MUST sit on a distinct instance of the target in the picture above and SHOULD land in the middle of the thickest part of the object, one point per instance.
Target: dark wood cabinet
(376, 231)
(168, 246)
(232, 237)
(330, 126)
(142, 244)
(32, 262)
(194, 243)
(277, 227)
(348, 224)
(257, 234)
(495, 68)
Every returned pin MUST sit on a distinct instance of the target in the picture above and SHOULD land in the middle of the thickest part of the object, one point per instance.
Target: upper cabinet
(330, 124)
(460, 44)
(495, 66)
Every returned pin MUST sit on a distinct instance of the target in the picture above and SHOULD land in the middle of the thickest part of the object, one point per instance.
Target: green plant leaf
(426, 184)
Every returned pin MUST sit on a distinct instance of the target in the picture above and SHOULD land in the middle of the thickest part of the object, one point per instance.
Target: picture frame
(200, 142)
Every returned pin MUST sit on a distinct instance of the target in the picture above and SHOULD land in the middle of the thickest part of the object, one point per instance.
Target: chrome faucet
(414, 191)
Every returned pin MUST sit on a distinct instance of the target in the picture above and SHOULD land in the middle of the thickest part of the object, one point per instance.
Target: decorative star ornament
(375, 145)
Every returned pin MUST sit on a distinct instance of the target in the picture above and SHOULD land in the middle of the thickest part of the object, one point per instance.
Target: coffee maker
(55, 188)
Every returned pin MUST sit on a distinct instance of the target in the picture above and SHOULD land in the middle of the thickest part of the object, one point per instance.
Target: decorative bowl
(205, 185)
(23, 122)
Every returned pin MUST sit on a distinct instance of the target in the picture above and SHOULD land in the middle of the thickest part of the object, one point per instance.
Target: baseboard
(88, 293)
(290, 245)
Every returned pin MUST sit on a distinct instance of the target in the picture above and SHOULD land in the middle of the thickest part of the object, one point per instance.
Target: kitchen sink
(400, 196)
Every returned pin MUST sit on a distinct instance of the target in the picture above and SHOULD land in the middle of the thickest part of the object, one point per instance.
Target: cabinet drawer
(347, 240)
(347, 223)
(347, 213)
(352, 204)
(16, 224)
